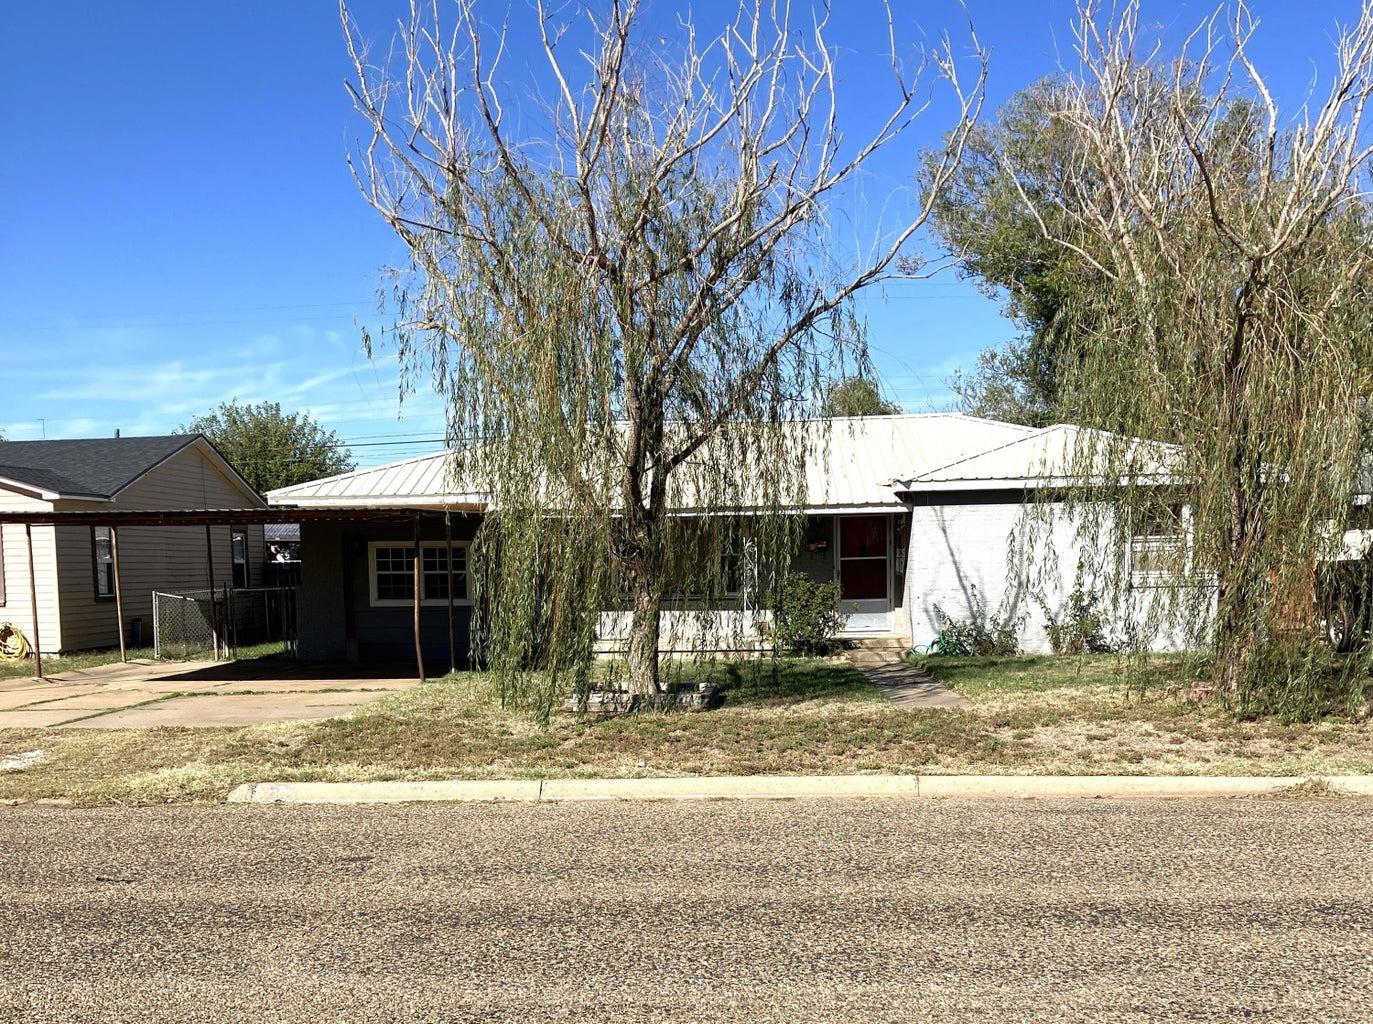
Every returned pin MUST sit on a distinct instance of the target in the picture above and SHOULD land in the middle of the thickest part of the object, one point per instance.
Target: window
(392, 573)
(1158, 543)
(102, 559)
(713, 561)
(238, 547)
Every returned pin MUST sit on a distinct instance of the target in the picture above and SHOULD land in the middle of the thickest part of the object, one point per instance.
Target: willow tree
(630, 293)
(1233, 319)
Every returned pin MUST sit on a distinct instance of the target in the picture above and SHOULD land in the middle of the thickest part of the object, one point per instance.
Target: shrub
(979, 635)
(1080, 628)
(807, 618)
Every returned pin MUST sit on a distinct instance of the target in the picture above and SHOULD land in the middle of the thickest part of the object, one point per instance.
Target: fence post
(230, 623)
(157, 626)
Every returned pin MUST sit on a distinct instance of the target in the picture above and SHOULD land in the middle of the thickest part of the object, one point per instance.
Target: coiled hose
(14, 645)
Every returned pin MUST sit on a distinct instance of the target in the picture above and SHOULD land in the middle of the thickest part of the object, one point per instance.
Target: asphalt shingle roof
(94, 467)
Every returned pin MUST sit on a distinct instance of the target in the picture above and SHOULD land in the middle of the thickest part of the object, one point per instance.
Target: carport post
(419, 580)
(448, 539)
(118, 597)
(214, 605)
(33, 602)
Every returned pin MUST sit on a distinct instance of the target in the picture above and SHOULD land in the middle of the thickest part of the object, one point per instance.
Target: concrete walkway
(145, 694)
(905, 685)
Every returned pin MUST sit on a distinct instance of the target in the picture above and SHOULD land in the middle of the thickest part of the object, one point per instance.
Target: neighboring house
(907, 512)
(74, 565)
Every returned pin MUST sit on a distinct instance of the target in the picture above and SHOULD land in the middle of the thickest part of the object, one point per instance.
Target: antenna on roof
(116, 431)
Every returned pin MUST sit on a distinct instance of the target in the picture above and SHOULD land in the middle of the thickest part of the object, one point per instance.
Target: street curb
(793, 787)
(456, 791)
(733, 787)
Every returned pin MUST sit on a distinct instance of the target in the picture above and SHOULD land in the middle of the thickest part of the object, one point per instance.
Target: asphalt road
(807, 911)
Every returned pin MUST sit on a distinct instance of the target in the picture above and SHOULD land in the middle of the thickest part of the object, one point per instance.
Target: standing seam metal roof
(865, 456)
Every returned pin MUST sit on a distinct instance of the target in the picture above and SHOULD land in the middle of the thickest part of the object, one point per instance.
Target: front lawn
(1029, 716)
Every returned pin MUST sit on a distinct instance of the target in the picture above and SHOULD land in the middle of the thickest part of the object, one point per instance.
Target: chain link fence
(256, 622)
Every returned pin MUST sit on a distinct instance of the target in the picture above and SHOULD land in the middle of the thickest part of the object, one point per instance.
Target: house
(74, 566)
(909, 513)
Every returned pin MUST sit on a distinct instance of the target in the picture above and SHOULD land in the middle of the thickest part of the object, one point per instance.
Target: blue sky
(178, 227)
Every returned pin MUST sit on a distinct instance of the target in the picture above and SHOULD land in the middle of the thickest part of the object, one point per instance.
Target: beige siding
(16, 608)
(152, 557)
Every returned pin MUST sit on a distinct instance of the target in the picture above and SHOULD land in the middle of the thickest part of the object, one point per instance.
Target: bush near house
(1080, 627)
(979, 635)
(807, 618)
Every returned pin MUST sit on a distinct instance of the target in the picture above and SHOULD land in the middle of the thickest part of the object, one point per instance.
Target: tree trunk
(643, 642)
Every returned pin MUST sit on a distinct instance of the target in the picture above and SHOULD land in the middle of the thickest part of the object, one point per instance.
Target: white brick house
(906, 512)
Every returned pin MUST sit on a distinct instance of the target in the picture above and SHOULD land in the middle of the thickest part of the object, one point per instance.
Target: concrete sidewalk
(903, 684)
(788, 787)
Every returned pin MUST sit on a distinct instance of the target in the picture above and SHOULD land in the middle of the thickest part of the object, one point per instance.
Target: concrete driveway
(146, 694)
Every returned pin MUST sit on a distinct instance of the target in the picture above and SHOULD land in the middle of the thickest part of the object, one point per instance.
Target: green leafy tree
(270, 448)
(858, 396)
(1013, 383)
(999, 242)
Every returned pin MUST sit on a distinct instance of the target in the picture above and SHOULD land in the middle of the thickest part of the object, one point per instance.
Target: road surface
(807, 911)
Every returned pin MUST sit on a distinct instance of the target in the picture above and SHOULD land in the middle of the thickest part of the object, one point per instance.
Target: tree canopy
(628, 304)
(1230, 247)
(989, 219)
(270, 448)
(857, 396)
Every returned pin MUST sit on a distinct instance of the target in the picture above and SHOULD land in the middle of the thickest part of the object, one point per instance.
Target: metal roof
(856, 463)
(281, 533)
(217, 516)
(1044, 457)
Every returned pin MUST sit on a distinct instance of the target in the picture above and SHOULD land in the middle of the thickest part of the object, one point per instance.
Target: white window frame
(425, 602)
(234, 563)
(98, 564)
(1163, 541)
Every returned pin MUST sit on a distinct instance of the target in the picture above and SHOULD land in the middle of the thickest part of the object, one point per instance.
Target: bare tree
(629, 293)
(1234, 317)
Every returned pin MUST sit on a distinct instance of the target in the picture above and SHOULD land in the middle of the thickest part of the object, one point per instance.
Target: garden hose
(14, 645)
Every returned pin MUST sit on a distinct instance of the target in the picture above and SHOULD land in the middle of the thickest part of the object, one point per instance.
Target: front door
(862, 546)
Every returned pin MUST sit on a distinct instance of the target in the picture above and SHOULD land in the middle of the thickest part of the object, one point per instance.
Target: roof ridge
(88, 467)
(1035, 432)
(359, 472)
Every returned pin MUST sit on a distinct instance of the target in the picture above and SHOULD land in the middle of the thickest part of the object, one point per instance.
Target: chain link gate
(255, 622)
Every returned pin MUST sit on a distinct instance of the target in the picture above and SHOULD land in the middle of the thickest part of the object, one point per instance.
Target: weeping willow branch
(631, 292)
(1234, 321)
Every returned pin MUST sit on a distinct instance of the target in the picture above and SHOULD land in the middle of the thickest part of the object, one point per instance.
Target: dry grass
(1029, 716)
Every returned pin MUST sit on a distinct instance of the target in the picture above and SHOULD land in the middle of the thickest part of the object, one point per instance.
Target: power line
(203, 310)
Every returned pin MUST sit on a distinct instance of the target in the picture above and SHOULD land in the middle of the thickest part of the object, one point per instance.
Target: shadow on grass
(772, 682)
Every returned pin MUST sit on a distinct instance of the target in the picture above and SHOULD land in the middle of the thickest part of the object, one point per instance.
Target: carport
(210, 519)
